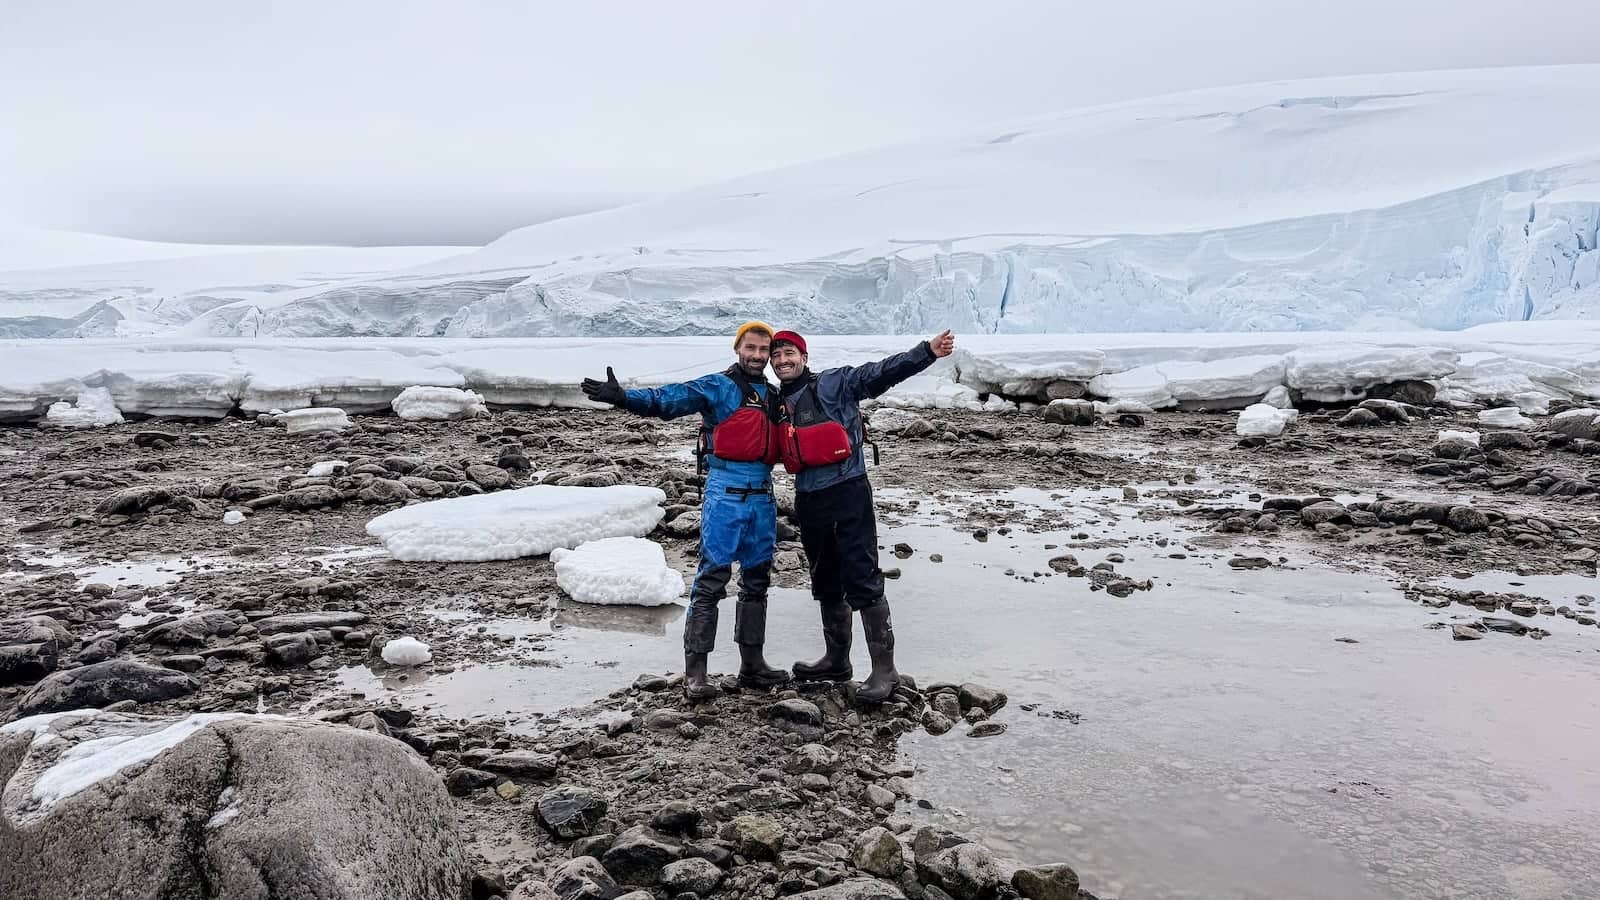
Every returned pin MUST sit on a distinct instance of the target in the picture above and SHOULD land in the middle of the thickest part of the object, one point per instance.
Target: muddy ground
(118, 534)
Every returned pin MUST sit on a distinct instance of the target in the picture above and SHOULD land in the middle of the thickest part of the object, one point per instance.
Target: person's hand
(942, 344)
(608, 391)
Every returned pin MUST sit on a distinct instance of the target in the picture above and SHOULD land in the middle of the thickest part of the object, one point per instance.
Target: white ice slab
(1263, 420)
(528, 521)
(620, 570)
(94, 409)
(438, 403)
(316, 418)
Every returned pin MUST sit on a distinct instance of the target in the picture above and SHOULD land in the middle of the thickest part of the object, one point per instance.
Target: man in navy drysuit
(833, 502)
(738, 515)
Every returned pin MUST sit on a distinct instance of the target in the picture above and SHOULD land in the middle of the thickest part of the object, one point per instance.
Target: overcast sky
(338, 121)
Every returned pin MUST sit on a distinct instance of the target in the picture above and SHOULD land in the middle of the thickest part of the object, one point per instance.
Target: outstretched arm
(673, 400)
(872, 379)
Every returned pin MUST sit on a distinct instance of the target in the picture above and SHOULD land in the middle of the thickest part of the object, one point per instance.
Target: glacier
(1433, 200)
(321, 379)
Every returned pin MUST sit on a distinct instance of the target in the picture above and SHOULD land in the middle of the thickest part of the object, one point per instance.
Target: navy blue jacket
(840, 392)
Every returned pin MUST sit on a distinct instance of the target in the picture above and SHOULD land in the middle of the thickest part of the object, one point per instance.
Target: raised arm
(872, 379)
(673, 400)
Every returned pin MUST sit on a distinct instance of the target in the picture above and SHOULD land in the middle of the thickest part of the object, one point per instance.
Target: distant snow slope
(64, 284)
(1440, 199)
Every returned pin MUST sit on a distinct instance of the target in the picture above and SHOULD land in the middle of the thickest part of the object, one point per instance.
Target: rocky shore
(164, 570)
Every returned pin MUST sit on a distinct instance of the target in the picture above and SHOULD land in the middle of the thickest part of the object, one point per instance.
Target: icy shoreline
(212, 378)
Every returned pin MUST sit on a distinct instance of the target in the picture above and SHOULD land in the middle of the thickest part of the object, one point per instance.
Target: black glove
(608, 391)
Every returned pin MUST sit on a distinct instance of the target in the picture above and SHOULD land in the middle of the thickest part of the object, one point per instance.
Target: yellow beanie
(748, 327)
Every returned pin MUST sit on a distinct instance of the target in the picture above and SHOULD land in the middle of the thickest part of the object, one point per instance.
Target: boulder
(583, 878)
(491, 478)
(314, 497)
(1052, 882)
(1359, 418)
(385, 490)
(1583, 423)
(30, 648)
(521, 764)
(695, 876)
(1414, 393)
(638, 855)
(1070, 412)
(985, 698)
(288, 623)
(133, 500)
(195, 629)
(1326, 511)
(757, 837)
(876, 851)
(966, 872)
(245, 806)
(103, 684)
(569, 813)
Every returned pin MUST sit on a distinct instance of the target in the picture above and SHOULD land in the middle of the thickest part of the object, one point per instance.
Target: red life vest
(809, 438)
(750, 433)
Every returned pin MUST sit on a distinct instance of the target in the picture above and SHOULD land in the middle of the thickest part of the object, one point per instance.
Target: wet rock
(1466, 519)
(30, 648)
(966, 872)
(1465, 633)
(308, 621)
(930, 839)
(945, 702)
(677, 817)
(593, 845)
(813, 758)
(514, 459)
(1358, 418)
(1455, 448)
(385, 490)
(247, 807)
(936, 723)
(684, 525)
(195, 629)
(1249, 562)
(1052, 882)
(1386, 410)
(291, 649)
(309, 498)
(638, 855)
(1507, 440)
(463, 780)
(533, 890)
(569, 812)
(878, 797)
(695, 875)
(652, 683)
(756, 837)
(986, 729)
(1410, 392)
(985, 698)
(1505, 626)
(665, 720)
(129, 501)
(103, 684)
(184, 662)
(591, 479)
(797, 716)
(876, 851)
(422, 487)
(1063, 563)
(855, 889)
(490, 478)
(1070, 412)
(583, 878)
(1324, 511)
(522, 764)
(156, 438)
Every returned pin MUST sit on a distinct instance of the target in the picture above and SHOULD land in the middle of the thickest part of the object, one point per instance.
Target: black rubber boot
(880, 644)
(750, 633)
(835, 662)
(754, 671)
(696, 686)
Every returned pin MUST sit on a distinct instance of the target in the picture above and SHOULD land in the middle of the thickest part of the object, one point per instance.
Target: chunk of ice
(419, 402)
(406, 651)
(1264, 420)
(95, 409)
(528, 521)
(619, 570)
(316, 418)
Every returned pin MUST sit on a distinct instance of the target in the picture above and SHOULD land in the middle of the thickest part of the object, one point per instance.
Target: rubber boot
(696, 686)
(754, 671)
(835, 662)
(879, 629)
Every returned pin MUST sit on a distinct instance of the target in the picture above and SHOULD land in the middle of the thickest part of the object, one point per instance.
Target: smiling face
(753, 349)
(787, 361)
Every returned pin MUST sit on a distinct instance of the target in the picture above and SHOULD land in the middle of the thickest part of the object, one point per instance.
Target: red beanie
(792, 338)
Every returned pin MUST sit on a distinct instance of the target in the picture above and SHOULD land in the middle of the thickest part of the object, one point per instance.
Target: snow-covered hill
(1440, 199)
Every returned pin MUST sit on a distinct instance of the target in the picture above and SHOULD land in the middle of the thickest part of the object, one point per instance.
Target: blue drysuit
(738, 516)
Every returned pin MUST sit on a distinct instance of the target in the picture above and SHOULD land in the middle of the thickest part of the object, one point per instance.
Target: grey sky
(396, 121)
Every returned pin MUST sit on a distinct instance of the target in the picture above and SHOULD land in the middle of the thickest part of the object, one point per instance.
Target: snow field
(529, 521)
(618, 570)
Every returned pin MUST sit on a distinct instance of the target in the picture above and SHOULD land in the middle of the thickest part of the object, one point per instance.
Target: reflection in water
(633, 619)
